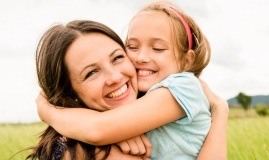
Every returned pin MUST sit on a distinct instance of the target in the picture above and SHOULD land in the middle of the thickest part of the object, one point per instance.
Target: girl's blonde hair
(200, 44)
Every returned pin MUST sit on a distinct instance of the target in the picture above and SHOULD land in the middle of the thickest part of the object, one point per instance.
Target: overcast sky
(238, 32)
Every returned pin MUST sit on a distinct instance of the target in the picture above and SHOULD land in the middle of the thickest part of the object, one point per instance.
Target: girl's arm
(155, 109)
(215, 146)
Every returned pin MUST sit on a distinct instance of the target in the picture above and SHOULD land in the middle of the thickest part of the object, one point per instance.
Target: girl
(167, 48)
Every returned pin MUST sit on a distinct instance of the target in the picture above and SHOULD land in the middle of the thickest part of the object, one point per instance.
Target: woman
(53, 79)
(108, 52)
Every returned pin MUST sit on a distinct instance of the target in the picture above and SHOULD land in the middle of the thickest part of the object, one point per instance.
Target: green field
(248, 137)
(15, 137)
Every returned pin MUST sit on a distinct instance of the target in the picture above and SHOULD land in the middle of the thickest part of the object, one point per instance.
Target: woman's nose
(114, 76)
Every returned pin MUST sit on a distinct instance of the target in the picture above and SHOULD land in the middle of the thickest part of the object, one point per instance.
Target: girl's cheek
(131, 55)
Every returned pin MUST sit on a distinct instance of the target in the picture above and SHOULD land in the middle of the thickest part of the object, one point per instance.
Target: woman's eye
(91, 73)
(118, 58)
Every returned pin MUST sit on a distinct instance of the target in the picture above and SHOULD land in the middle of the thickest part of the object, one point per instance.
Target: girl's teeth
(144, 72)
(118, 92)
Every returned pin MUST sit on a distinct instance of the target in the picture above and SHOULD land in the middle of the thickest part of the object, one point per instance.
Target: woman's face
(100, 72)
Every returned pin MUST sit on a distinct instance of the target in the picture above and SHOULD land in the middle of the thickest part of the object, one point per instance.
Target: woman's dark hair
(53, 78)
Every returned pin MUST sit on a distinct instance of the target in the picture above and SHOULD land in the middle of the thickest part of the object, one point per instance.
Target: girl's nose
(142, 57)
(113, 77)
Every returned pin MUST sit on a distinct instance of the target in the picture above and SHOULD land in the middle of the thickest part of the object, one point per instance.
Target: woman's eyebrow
(112, 53)
(90, 65)
(94, 64)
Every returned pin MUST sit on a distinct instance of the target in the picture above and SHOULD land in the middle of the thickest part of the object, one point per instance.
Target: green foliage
(262, 109)
(244, 100)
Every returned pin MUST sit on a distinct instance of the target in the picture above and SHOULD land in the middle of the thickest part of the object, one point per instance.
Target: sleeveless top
(58, 148)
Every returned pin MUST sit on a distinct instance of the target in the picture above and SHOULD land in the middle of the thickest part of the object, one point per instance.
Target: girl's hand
(116, 153)
(139, 145)
(41, 103)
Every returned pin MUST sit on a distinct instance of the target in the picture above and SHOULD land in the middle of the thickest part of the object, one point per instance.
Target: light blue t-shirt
(183, 138)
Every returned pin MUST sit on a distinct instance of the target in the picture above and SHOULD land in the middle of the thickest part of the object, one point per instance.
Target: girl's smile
(150, 48)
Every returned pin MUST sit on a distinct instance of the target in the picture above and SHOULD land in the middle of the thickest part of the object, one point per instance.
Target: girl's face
(150, 48)
(100, 72)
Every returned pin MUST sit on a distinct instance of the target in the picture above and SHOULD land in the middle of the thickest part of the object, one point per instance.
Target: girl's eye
(132, 47)
(91, 73)
(158, 49)
(118, 58)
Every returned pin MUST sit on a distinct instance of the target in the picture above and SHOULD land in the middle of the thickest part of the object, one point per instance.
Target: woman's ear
(189, 59)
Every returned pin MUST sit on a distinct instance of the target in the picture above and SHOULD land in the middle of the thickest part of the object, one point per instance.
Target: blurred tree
(244, 100)
(262, 109)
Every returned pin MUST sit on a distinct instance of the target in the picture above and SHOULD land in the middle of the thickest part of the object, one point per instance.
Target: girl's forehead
(152, 13)
(154, 24)
(150, 19)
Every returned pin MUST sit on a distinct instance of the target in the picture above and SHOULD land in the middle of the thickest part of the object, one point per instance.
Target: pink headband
(185, 23)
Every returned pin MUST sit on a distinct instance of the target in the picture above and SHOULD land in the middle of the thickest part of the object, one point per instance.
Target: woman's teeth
(144, 72)
(118, 92)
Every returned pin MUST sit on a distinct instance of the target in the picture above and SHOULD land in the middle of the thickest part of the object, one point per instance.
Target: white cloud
(237, 30)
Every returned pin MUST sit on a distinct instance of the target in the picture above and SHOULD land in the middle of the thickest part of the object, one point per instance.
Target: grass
(247, 137)
(16, 137)
(239, 113)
